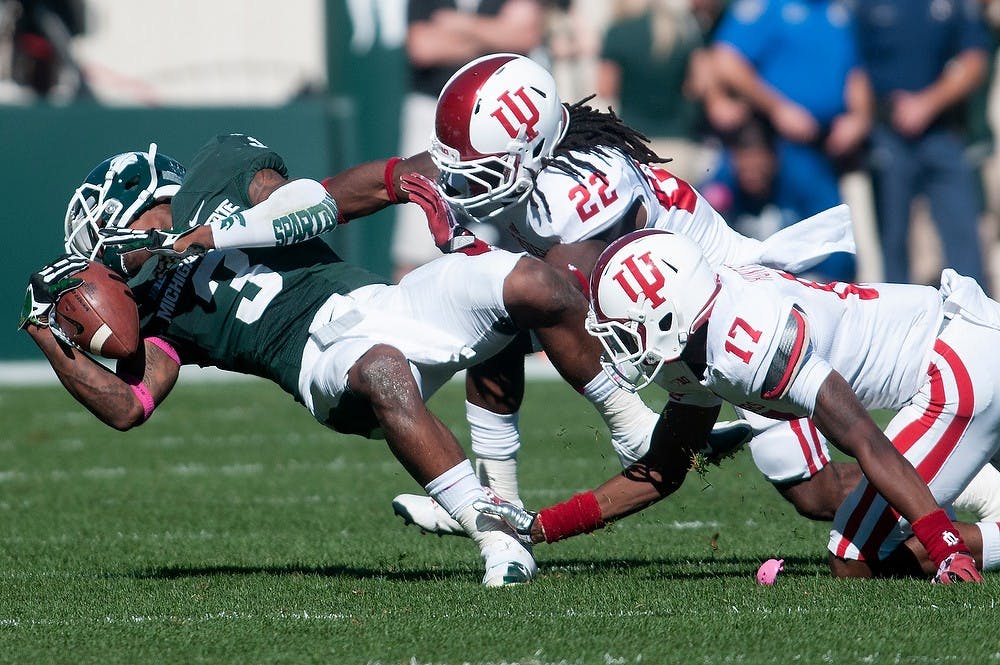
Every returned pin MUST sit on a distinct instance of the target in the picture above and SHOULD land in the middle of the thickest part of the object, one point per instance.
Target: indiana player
(787, 347)
(567, 180)
(249, 288)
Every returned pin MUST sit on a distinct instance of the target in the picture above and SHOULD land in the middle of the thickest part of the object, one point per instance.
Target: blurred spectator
(35, 58)
(443, 35)
(924, 58)
(744, 188)
(573, 42)
(796, 63)
(644, 64)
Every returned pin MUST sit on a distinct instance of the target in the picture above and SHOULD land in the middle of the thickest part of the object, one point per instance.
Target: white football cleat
(427, 514)
(508, 563)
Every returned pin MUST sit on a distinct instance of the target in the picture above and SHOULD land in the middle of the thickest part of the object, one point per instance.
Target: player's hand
(523, 522)
(957, 567)
(449, 235)
(125, 250)
(725, 440)
(46, 286)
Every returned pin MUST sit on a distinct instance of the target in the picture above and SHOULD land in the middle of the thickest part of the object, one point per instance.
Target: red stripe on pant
(929, 467)
(796, 426)
(931, 464)
(817, 444)
(903, 442)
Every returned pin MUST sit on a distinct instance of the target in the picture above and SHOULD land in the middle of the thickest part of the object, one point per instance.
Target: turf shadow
(666, 568)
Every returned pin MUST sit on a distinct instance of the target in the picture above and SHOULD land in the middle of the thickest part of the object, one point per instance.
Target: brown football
(100, 316)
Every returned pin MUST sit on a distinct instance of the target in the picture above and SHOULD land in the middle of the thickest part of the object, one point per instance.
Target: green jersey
(249, 310)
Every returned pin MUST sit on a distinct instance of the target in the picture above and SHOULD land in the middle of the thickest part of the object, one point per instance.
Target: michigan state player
(360, 354)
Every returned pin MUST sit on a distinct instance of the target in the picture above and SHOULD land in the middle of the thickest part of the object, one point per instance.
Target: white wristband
(293, 213)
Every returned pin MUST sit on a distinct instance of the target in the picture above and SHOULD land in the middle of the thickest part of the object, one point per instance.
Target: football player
(567, 180)
(786, 347)
(245, 285)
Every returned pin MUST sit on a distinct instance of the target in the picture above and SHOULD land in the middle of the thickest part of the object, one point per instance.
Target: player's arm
(682, 430)
(121, 399)
(367, 188)
(841, 417)
(576, 260)
(283, 212)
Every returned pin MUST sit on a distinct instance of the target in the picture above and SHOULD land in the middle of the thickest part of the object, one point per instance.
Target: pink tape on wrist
(145, 398)
(165, 346)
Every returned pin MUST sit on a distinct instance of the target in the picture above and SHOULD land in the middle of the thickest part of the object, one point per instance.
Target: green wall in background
(47, 151)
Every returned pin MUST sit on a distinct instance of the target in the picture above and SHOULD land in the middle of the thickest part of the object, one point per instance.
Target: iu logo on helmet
(645, 278)
(526, 117)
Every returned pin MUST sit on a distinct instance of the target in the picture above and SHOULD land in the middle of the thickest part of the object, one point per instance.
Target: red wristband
(939, 536)
(581, 514)
(387, 182)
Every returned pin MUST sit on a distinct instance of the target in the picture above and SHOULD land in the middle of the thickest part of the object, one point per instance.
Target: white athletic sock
(628, 418)
(991, 544)
(495, 442)
(500, 475)
(456, 488)
(982, 495)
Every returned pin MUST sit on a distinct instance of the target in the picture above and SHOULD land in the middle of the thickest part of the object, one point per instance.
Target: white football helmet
(649, 291)
(497, 118)
(115, 192)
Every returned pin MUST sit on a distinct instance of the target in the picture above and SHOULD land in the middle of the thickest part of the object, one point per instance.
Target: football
(100, 316)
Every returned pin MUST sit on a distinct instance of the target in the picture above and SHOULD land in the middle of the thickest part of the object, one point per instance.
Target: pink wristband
(145, 398)
(165, 346)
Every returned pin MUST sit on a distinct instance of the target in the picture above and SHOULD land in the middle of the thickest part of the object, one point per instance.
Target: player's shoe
(508, 562)
(427, 514)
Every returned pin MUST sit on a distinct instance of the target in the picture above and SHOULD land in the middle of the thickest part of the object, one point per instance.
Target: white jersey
(773, 339)
(600, 201)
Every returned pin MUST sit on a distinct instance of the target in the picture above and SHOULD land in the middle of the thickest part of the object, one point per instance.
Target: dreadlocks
(591, 130)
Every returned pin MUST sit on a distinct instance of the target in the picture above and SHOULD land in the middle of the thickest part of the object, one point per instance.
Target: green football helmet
(116, 191)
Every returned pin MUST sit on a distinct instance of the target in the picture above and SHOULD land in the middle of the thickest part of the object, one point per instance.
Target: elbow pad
(295, 212)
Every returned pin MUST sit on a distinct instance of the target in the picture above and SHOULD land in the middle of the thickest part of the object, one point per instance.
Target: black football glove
(46, 286)
(119, 246)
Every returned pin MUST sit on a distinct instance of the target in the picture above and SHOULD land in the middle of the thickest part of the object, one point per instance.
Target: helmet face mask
(650, 290)
(497, 120)
(115, 193)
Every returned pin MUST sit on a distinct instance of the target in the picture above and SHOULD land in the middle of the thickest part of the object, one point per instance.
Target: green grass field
(233, 528)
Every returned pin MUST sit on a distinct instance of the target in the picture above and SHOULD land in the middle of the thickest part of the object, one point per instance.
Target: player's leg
(431, 454)
(982, 495)
(949, 433)
(538, 298)
(359, 375)
(795, 458)
(494, 391)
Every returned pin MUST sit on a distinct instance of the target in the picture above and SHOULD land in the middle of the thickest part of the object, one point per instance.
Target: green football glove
(119, 244)
(46, 286)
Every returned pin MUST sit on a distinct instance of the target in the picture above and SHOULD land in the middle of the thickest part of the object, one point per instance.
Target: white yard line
(38, 373)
